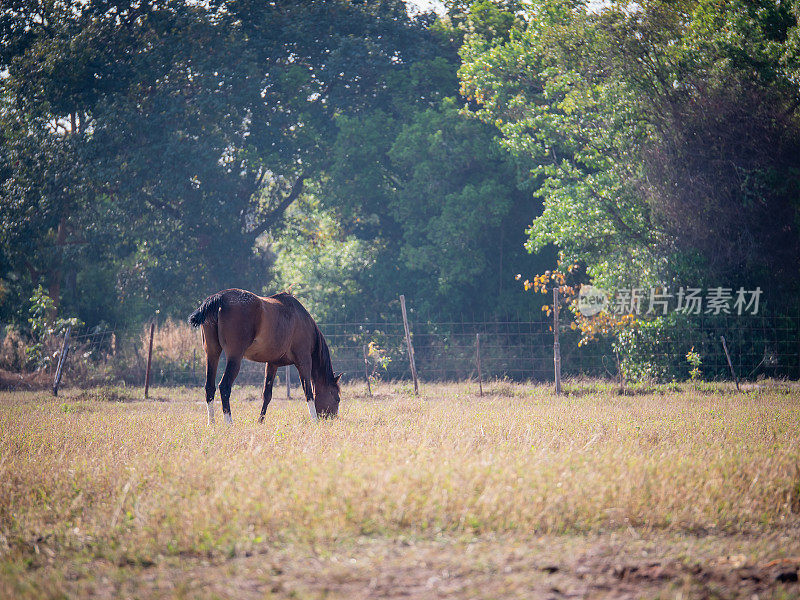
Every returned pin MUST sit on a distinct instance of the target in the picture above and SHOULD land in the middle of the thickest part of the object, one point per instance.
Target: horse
(276, 330)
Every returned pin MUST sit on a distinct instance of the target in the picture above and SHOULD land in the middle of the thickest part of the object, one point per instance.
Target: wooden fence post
(194, 365)
(366, 370)
(730, 365)
(409, 346)
(556, 344)
(478, 356)
(61, 359)
(149, 360)
(288, 383)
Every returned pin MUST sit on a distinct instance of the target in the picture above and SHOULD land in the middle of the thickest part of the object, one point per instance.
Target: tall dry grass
(13, 355)
(173, 341)
(135, 481)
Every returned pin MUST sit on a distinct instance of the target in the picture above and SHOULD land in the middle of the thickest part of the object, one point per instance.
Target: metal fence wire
(759, 346)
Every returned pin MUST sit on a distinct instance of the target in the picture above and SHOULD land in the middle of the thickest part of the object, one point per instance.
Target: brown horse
(277, 331)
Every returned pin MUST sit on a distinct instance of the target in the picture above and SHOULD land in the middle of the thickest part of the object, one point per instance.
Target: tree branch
(276, 214)
(163, 206)
(33, 271)
(790, 111)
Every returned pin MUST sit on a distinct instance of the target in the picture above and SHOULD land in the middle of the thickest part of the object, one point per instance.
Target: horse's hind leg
(269, 379)
(226, 384)
(213, 351)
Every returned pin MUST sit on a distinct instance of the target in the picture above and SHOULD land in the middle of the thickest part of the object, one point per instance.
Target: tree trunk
(54, 289)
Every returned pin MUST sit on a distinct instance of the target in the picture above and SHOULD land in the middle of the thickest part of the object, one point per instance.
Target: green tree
(146, 145)
(441, 208)
(664, 136)
(430, 192)
(461, 213)
(544, 89)
(318, 260)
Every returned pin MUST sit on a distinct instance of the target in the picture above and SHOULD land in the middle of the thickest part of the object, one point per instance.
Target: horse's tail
(210, 305)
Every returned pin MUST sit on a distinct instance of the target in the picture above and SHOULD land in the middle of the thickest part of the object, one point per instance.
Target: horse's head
(326, 398)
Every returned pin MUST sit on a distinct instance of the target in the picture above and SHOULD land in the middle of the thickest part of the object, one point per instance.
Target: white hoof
(228, 418)
(210, 413)
(312, 410)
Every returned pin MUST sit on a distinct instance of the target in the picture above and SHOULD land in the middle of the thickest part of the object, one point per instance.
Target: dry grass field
(668, 492)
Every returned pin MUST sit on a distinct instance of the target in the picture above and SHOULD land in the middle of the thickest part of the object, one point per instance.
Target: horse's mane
(321, 367)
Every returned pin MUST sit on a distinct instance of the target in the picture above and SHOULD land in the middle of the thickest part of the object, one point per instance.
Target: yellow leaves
(602, 323)
(590, 327)
(542, 282)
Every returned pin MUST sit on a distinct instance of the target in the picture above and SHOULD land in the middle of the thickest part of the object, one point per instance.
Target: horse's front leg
(269, 379)
(226, 385)
(304, 369)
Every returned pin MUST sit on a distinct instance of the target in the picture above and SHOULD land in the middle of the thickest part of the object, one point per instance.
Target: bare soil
(614, 565)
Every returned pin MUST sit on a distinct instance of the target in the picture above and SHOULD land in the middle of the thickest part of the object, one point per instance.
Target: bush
(13, 351)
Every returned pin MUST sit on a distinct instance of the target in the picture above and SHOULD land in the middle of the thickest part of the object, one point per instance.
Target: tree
(543, 89)
(429, 192)
(146, 145)
(435, 205)
(664, 135)
(461, 212)
(83, 195)
(318, 260)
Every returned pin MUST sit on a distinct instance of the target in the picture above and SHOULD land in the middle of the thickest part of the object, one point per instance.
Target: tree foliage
(146, 145)
(152, 152)
(664, 135)
(442, 206)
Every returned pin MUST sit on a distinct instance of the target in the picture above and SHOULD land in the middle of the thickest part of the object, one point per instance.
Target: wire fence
(758, 346)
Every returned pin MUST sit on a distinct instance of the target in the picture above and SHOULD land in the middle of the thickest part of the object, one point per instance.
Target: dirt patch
(714, 579)
(551, 568)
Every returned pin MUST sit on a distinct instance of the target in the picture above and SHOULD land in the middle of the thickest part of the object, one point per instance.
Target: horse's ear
(337, 376)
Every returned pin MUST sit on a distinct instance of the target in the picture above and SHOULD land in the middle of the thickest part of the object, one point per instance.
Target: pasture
(670, 492)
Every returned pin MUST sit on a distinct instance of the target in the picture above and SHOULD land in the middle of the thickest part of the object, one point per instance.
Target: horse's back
(276, 329)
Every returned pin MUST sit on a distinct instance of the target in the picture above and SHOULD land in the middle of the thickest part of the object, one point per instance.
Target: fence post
(556, 344)
(409, 346)
(194, 365)
(149, 360)
(478, 356)
(728, 358)
(619, 373)
(61, 359)
(288, 384)
(366, 369)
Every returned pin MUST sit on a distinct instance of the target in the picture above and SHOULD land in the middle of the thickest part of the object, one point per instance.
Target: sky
(438, 5)
(425, 5)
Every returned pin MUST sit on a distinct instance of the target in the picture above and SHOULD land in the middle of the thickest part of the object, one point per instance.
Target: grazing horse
(277, 331)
